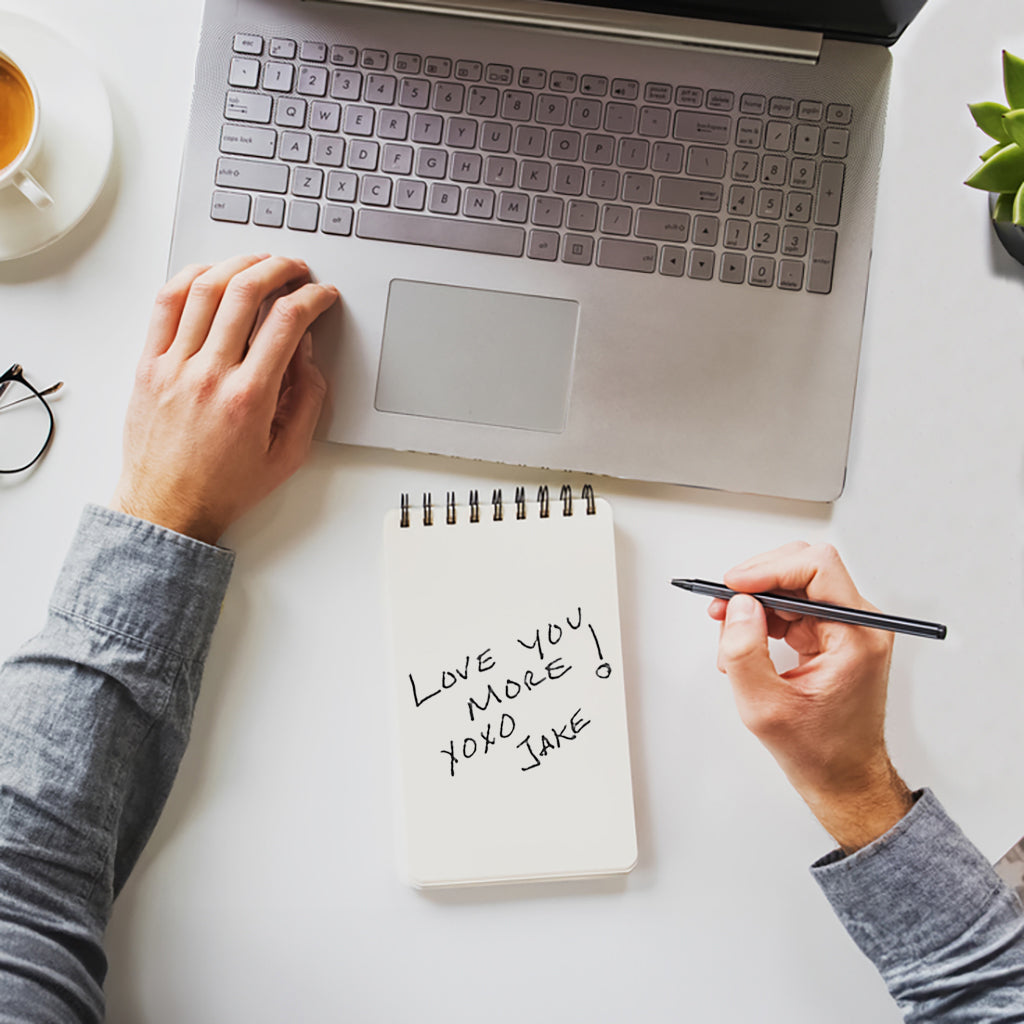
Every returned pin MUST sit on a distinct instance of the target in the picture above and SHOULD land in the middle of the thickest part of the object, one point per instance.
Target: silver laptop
(627, 242)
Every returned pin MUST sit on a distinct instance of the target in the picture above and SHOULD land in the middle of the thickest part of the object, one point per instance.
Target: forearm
(94, 717)
(927, 909)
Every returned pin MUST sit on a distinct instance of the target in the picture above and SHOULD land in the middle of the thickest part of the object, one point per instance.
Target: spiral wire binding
(498, 507)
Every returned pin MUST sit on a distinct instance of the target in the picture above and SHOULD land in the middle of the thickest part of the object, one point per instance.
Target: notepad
(508, 691)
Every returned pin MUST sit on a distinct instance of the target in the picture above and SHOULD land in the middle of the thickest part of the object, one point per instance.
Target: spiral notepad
(509, 698)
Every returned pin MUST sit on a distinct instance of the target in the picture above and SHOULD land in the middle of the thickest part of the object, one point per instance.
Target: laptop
(629, 242)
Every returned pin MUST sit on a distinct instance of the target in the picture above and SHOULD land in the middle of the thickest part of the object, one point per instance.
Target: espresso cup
(19, 131)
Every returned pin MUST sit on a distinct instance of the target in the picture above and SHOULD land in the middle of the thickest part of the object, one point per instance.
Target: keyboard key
(621, 255)
(344, 56)
(375, 190)
(753, 103)
(469, 236)
(513, 207)
(781, 106)
(238, 141)
(702, 162)
(240, 106)
(246, 43)
(569, 180)
(284, 49)
(380, 89)
(358, 120)
(599, 149)
(733, 268)
(737, 234)
(806, 139)
(307, 182)
(578, 249)
(478, 203)
(393, 124)
(426, 128)
(616, 220)
(469, 70)
(500, 171)
(376, 60)
(415, 93)
(341, 186)
(673, 261)
(620, 117)
(411, 195)
(699, 127)
(482, 101)
(633, 153)
(839, 113)
(432, 163)
(744, 166)
(594, 85)
(791, 275)
(543, 245)
(232, 207)
(552, 109)
(397, 159)
(798, 207)
(444, 199)
(582, 216)
(337, 220)
(810, 110)
(689, 96)
(681, 194)
(548, 211)
(667, 158)
(324, 117)
(766, 237)
(244, 72)
(637, 188)
(663, 225)
(741, 200)
(294, 146)
(268, 212)
(290, 112)
(705, 230)
(655, 122)
(465, 167)
(822, 261)
(533, 78)
(563, 81)
(362, 156)
(498, 74)
(255, 175)
(625, 88)
(313, 51)
(657, 92)
(328, 152)
(702, 264)
(437, 67)
(830, 193)
(303, 216)
(836, 143)
(346, 85)
(794, 240)
(278, 77)
(749, 132)
(407, 63)
(720, 99)
(534, 175)
(773, 169)
(516, 105)
(603, 184)
(762, 271)
(778, 136)
(461, 132)
(769, 203)
(449, 97)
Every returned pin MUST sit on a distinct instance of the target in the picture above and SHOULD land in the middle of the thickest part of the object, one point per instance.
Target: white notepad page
(509, 697)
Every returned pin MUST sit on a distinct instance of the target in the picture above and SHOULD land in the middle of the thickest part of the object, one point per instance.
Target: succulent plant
(1002, 165)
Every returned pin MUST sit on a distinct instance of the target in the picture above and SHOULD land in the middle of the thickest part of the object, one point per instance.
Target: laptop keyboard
(650, 177)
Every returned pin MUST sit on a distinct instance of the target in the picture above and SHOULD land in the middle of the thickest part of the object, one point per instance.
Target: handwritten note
(509, 698)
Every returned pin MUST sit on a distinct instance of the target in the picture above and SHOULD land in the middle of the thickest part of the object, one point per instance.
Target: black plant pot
(1011, 235)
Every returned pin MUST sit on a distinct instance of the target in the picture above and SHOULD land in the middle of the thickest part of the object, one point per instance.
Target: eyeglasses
(26, 422)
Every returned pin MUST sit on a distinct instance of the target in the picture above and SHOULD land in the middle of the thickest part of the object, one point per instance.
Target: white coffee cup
(20, 118)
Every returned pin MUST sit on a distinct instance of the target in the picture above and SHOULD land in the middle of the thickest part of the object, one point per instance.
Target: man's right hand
(823, 721)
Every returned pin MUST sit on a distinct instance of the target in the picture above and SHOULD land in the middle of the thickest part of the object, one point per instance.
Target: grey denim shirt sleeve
(95, 714)
(944, 931)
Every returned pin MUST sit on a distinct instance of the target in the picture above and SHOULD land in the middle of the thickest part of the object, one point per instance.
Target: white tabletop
(270, 892)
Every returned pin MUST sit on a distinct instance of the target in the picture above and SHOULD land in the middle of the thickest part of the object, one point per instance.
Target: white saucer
(77, 138)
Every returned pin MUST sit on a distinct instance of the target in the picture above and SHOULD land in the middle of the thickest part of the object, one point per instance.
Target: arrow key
(702, 264)
(673, 261)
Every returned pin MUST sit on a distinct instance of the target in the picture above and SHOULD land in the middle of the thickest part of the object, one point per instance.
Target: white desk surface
(269, 891)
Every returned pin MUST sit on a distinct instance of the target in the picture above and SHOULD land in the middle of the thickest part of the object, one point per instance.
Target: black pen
(822, 610)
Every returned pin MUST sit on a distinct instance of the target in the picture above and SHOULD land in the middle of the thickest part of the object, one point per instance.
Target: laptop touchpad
(480, 356)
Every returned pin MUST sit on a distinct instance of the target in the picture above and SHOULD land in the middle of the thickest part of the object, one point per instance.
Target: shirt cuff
(912, 890)
(144, 582)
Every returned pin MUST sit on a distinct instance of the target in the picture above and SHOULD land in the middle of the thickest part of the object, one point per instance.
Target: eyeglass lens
(24, 426)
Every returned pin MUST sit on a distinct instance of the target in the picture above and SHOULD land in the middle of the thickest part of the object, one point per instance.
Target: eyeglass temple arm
(41, 394)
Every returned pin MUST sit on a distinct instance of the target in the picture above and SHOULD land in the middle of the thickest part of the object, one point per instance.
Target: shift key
(256, 175)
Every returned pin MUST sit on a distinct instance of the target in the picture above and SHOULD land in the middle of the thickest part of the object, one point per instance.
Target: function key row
(627, 89)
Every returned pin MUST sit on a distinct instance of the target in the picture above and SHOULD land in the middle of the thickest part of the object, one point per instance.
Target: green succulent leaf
(1003, 209)
(989, 118)
(1002, 172)
(1013, 122)
(991, 151)
(1018, 207)
(1013, 79)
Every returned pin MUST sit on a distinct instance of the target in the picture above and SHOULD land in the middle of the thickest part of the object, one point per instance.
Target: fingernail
(741, 608)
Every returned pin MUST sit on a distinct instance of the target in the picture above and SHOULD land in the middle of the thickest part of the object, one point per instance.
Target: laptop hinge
(661, 28)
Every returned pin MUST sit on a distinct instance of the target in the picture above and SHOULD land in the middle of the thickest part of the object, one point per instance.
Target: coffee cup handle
(32, 190)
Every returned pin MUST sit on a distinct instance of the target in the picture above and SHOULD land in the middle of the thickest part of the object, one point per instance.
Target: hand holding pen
(824, 720)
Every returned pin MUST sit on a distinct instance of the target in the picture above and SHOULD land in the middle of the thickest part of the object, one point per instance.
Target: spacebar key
(496, 239)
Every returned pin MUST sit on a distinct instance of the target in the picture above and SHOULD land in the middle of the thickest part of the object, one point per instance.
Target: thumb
(743, 647)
